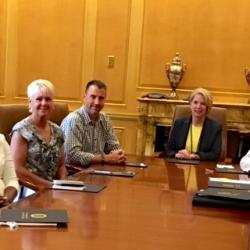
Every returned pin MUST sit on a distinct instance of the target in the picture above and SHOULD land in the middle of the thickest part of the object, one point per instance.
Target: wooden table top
(150, 211)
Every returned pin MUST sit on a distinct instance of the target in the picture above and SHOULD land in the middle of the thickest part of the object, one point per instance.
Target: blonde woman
(197, 136)
(37, 143)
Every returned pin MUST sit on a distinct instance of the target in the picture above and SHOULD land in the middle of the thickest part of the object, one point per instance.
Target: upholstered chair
(10, 114)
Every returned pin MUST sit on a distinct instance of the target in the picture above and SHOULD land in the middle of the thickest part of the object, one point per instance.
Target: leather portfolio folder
(226, 193)
(222, 197)
(183, 161)
(34, 217)
(93, 188)
(210, 201)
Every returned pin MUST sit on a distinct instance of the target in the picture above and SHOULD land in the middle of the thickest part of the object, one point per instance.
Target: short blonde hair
(38, 86)
(206, 95)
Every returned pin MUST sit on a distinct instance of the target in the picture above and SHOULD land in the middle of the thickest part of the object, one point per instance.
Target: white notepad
(68, 185)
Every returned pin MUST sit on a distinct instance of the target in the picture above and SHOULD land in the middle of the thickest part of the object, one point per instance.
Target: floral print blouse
(42, 158)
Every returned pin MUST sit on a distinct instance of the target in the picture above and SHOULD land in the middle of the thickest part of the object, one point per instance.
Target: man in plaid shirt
(89, 136)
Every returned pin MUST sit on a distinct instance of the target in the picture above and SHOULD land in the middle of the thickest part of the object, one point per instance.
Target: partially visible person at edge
(36, 142)
(245, 162)
(89, 136)
(8, 180)
(196, 137)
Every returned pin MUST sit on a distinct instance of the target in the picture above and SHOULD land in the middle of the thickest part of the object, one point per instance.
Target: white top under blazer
(8, 176)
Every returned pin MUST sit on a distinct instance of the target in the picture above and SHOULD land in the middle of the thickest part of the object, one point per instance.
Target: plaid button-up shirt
(83, 139)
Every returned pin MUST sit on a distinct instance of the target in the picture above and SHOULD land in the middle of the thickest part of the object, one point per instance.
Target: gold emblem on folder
(38, 216)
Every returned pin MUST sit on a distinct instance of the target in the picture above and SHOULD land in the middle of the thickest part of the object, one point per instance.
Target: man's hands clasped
(115, 156)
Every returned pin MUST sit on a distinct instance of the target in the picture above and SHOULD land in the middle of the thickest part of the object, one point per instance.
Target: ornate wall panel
(2, 44)
(49, 45)
(126, 132)
(112, 33)
(212, 38)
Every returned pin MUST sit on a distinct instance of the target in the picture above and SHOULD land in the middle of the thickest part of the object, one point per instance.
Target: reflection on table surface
(152, 210)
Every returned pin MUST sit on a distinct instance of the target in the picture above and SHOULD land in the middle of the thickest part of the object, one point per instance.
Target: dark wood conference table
(150, 211)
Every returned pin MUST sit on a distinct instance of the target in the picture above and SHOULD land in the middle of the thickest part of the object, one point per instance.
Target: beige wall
(69, 41)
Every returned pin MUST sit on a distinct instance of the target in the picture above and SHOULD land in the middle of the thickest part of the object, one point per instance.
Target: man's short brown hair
(99, 84)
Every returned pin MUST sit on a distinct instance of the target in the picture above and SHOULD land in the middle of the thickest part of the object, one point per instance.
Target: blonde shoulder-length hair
(206, 95)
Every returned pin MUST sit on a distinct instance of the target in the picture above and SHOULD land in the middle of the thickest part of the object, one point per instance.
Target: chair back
(216, 113)
(10, 114)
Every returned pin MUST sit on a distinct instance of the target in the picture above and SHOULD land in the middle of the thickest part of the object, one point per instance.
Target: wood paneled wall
(2, 45)
(69, 42)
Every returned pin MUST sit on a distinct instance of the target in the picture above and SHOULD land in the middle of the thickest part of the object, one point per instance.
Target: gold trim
(125, 117)
(170, 101)
(188, 91)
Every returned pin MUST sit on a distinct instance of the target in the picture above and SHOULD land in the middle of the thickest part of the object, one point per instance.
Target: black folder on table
(93, 188)
(114, 173)
(183, 161)
(34, 217)
(222, 197)
(226, 193)
(209, 201)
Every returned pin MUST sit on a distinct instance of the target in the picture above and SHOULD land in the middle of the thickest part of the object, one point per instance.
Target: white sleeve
(9, 173)
(245, 162)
